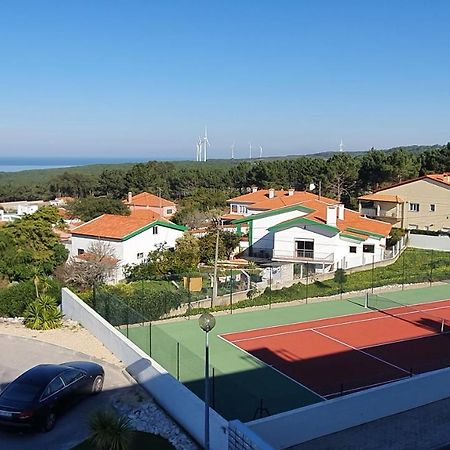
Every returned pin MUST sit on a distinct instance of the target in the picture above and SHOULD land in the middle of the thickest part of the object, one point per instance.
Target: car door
(74, 380)
(54, 394)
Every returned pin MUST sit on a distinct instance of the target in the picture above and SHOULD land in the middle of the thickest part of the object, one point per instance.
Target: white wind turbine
(232, 150)
(250, 149)
(260, 151)
(206, 144)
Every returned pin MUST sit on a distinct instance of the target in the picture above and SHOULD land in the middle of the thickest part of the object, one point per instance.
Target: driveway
(19, 354)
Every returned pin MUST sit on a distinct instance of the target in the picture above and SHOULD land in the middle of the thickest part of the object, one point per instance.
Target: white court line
(361, 351)
(362, 388)
(337, 317)
(272, 367)
(381, 317)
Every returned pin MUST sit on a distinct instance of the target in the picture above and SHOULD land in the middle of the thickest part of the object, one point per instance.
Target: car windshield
(20, 392)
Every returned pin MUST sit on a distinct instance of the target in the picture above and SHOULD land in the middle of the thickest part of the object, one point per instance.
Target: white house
(131, 237)
(316, 232)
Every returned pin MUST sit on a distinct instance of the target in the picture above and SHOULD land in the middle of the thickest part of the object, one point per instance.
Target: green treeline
(341, 175)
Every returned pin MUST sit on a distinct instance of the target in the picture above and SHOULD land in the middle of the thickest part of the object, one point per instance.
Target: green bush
(15, 298)
(42, 314)
(109, 431)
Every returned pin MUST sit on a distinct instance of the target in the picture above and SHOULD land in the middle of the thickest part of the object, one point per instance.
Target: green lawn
(139, 441)
(242, 382)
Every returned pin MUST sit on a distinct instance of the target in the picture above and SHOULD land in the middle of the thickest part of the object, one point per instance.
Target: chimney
(254, 189)
(130, 197)
(271, 193)
(291, 192)
(331, 215)
(341, 211)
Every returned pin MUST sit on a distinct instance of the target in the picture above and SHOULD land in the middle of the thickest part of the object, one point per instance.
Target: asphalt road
(19, 354)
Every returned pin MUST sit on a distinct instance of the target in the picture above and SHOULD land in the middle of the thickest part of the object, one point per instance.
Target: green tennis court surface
(243, 387)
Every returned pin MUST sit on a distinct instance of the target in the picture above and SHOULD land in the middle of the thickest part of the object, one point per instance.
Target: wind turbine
(341, 146)
(250, 149)
(232, 150)
(206, 144)
(260, 152)
(199, 149)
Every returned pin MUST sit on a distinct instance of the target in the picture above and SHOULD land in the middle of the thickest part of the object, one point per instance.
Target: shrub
(15, 298)
(109, 431)
(42, 314)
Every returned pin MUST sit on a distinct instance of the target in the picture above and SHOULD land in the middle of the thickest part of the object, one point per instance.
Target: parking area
(19, 354)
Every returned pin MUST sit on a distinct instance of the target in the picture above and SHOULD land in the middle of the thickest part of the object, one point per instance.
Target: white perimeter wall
(301, 425)
(429, 242)
(185, 407)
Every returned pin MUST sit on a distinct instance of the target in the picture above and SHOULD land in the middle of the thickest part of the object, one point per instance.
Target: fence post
(231, 292)
(373, 270)
(307, 283)
(431, 267)
(178, 361)
(403, 276)
(150, 339)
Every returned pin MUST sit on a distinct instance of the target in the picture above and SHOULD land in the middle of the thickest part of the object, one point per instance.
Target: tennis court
(340, 355)
(292, 372)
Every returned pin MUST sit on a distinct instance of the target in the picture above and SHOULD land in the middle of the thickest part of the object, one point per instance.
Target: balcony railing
(372, 212)
(309, 256)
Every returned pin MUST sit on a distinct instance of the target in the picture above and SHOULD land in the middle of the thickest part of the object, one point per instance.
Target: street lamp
(207, 322)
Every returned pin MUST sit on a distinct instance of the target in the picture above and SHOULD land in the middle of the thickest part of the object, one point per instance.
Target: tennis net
(424, 316)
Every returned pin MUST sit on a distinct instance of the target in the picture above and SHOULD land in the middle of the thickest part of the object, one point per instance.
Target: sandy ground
(71, 336)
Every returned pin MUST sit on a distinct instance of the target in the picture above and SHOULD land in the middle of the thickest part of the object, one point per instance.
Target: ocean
(16, 164)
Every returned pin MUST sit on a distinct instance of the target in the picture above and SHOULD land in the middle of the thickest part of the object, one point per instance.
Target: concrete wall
(430, 242)
(301, 425)
(242, 438)
(185, 407)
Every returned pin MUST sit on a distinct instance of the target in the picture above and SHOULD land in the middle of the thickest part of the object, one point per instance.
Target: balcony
(303, 256)
(373, 212)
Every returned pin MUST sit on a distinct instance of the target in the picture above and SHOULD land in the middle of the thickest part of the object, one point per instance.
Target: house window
(155, 230)
(169, 211)
(352, 249)
(432, 207)
(414, 207)
(140, 255)
(304, 249)
(80, 251)
(234, 208)
(412, 226)
(369, 248)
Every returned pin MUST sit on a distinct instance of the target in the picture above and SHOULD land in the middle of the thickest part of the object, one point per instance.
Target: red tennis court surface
(349, 353)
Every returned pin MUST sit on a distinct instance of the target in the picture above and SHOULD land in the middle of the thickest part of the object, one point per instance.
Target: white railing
(303, 256)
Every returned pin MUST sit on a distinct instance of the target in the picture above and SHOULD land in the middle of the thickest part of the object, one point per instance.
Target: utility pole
(216, 258)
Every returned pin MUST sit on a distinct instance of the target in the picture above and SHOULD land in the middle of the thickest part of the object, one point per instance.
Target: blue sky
(141, 78)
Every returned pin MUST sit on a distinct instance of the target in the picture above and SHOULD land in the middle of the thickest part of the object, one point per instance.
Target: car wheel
(97, 385)
(49, 421)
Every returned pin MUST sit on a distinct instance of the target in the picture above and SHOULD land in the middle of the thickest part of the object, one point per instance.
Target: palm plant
(42, 314)
(109, 431)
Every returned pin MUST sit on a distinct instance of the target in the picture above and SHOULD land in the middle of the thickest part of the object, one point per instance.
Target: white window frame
(414, 207)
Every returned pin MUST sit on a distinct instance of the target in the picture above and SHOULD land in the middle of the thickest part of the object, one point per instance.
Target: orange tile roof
(147, 199)
(382, 198)
(232, 216)
(117, 227)
(442, 177)
(260, 199)
(352, 219)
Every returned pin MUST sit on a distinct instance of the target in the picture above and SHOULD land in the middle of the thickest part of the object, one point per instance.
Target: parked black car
(36, 397)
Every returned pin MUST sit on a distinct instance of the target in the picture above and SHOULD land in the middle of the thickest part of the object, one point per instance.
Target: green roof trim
(350, 236)
(161, 223)
(366, 233)
(273, 212)
(302, 221)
